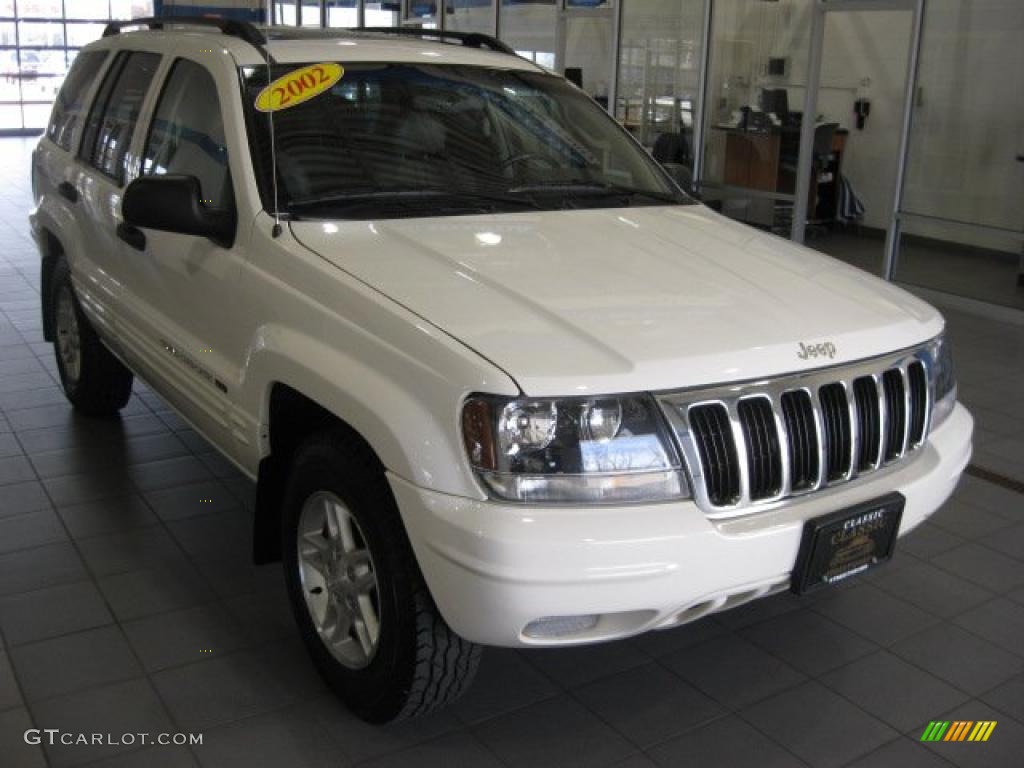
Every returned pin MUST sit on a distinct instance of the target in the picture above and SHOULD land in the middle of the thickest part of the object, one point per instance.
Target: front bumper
(493, 568)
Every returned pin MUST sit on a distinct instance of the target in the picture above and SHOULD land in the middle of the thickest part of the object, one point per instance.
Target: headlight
(572, 450)
(943, 381)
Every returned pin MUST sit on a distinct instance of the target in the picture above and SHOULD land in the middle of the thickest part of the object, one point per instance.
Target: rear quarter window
(69, 109)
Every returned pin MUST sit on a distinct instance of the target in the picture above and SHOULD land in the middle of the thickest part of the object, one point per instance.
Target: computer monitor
(776, 101)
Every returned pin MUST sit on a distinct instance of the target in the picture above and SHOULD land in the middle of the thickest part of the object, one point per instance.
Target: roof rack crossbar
(233, 27)
(468, 39)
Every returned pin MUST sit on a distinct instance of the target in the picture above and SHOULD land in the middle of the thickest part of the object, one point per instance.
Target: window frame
(88, 97)
(161, 91)
(98, 109)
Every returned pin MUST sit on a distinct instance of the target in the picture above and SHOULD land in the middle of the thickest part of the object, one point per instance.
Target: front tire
(362, 607)
(95, 381)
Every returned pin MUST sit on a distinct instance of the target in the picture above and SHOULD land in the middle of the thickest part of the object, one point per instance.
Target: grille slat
(717, 452)
(838, 439)
(869, 419)
(764, 459)
(755, 443)
(798, 415)
(918, 382)
(896, 412)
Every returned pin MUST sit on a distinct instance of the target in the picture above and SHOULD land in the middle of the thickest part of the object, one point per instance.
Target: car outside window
(401, 139)
(69, 108)
(187, 133)
(115, 113)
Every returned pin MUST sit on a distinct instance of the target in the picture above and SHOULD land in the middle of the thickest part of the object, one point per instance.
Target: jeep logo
(825, 349)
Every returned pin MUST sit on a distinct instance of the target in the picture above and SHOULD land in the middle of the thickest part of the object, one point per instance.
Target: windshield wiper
(405, 196)
(600, 188)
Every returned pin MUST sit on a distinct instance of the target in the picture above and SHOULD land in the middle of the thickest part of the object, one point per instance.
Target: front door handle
(132, 235)
(67, 190)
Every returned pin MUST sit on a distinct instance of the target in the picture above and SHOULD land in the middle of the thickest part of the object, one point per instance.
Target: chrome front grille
(759, 442)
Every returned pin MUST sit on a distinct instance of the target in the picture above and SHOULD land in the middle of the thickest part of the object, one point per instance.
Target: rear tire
(95, 381)
(362, 607)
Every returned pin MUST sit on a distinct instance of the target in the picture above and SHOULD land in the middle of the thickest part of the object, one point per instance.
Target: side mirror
(172, 203)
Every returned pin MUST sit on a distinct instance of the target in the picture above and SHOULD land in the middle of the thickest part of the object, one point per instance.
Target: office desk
(753, 160)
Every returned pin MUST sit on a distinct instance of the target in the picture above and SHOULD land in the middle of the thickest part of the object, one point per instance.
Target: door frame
(814, 62)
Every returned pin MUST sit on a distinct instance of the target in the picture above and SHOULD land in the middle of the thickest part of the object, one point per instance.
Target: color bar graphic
(958, 730)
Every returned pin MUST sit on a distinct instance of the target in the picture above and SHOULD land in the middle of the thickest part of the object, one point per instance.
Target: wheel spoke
(364, 584)
(369, 620)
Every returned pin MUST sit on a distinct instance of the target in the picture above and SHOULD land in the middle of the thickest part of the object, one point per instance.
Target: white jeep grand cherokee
(498, 380)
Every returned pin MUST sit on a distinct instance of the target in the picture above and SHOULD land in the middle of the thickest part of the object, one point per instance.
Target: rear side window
(187, 135)
(69, 108)
(115, 112)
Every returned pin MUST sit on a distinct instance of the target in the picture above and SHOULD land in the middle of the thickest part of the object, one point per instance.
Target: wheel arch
(50, 249)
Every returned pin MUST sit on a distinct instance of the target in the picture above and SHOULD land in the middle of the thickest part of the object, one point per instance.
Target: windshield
(391, 140)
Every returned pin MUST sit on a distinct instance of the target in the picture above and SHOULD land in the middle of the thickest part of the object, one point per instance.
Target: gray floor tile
(74, 461)
(362, 741)
(983, 566)
(155, 475)
(53, 611)
(758, 611)
(10, 695)
(23, 497)
(141, 549)
(115, 515)
(809, 642)
(666, 641)
(278, 739)
(570, 667)
(220, 690)
(223, 535)
(648, 704)
(902, 753)
(1009, 541)
(16, 752)
(893, 690)
(830, 731)
(966, 520)
(73, 662)
(504, 682)
(728, 741)
(935, 590)
(15, 469)
(30, 530)
(150, 591)
(989, 497)
(457, 750)
(9, 445)
(960, 658)
(1008, 697)
(76, 489)
(128, 707)
(733, 670)
(874, 613)
(158, 756)
(191, 499)
(182, 637)
(39, 568)
(558, 732)
(928, 540)
(1000, 622)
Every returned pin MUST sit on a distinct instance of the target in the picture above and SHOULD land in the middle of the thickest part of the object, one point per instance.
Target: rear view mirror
(173, 203)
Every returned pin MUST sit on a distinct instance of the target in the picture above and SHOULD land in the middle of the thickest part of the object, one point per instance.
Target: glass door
(585, 46)
(755, 86)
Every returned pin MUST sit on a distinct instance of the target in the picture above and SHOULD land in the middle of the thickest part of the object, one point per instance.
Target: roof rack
(240, 29)
(468, 39)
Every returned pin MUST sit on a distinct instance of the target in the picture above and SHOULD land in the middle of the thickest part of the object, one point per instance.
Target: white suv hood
(620, 300)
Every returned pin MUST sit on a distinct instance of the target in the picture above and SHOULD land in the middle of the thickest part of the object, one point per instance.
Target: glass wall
(531, 27)
(963, 204)
(470, 16)
(38, 41)
(660, 62)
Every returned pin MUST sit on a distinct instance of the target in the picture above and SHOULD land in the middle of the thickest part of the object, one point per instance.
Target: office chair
(672, 151)
(821, 156)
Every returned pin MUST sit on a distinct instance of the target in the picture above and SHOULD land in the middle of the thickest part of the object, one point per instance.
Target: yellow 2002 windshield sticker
(298, 86)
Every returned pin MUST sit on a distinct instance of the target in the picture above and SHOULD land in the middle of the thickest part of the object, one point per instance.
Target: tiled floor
(126, 608)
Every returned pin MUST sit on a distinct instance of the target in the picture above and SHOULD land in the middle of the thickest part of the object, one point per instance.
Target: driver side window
(187, 134)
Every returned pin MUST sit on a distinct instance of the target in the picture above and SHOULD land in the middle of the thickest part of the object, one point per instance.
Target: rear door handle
(132, 235)
(67, 190)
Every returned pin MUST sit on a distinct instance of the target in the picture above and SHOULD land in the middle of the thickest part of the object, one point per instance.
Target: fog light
(560, 626)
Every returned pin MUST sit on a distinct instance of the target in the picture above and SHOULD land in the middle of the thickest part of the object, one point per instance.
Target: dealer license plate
(846, 543)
